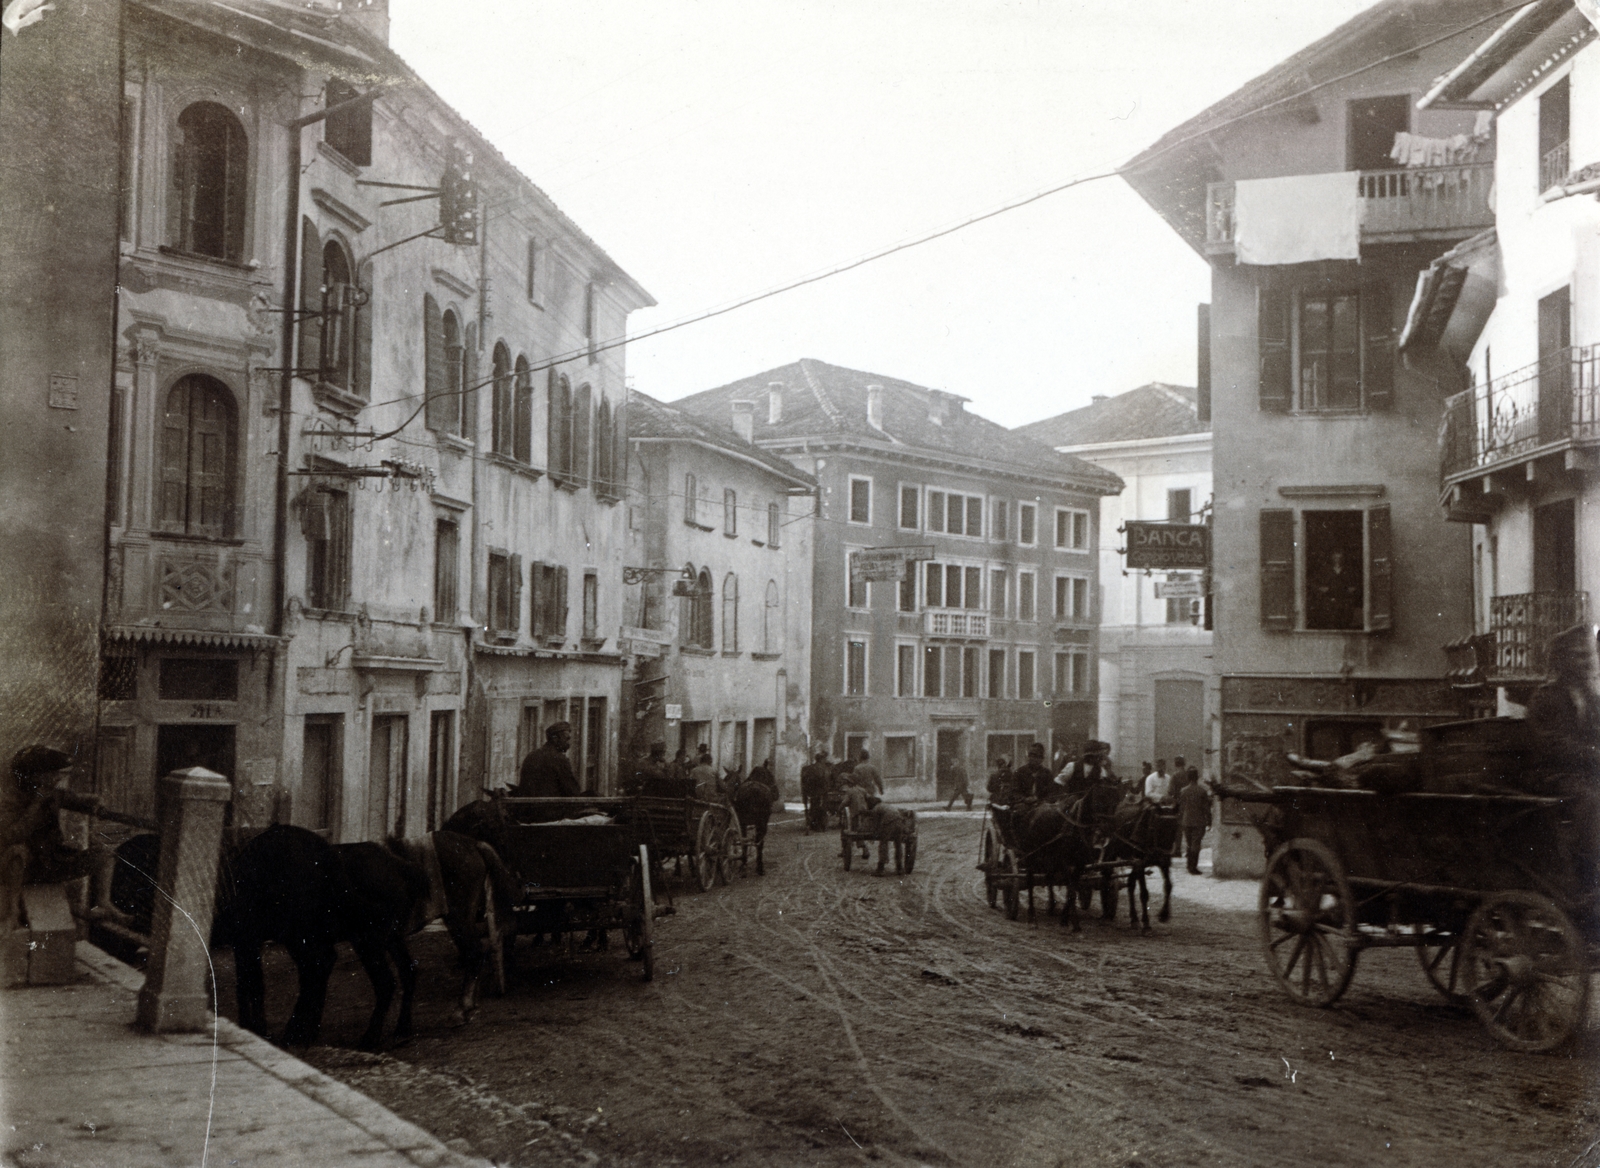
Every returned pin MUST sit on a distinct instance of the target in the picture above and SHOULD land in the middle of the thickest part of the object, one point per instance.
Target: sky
(719, 149)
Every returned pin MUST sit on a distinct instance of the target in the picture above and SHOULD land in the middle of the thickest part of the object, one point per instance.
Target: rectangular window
(952, 586)
(956, 521)
(860, 500)
(935, 510)
(1334, 589)
(908, 507)
(1178, 506)
(974, 516)
(1325, 350)
(446, 570)
(321, 752)
(905, 671)
(533, 271)
(974, 588)
(774, 525)
(326, 523)
(1344, 579)
(1025, 596)
(1072, 530)
(1181, 611)
(1027, 513)
(1002, 513)
(997, 592)
(691, 512)
(1072, 672)
(969, 673)
(1025, 674)
(1555, 120)
(349, 131)
(933, 594)
(505, 573)
(1330, 353)
(932, 671)
(907, 589)
(899, 756)
(549, 604)
(591, 606)
(730, 511)
(198, 679)
(855, 667)
(1072, 598)
(997, 673)
(860, 591)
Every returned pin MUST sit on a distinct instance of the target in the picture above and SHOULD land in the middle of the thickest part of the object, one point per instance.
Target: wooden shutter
(536, 601)
(235, 163)
(1277, 568)
(522, 421)
(1272, 340)
(310, 325)
(1377, 347)
(514, 609)
(210, 442)
(580, 434)
(552, 455)
(433, 363)
(362, 382)
(175, 459)
(469, 380)
(561, 602)
(1380, 569)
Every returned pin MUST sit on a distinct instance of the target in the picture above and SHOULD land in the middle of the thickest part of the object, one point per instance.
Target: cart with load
(699, 835)
(1494, 888)
(851, 836)
(1003, 878)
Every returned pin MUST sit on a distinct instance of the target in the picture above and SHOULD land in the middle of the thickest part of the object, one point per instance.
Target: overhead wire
(1143, 160)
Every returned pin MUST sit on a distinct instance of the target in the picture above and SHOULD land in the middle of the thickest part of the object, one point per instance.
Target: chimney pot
(1098, 397)
(744, 419)
(774, 402)
(875, 406)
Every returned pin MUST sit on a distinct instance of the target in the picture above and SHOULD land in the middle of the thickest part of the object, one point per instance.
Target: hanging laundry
(1484, 126)
(1402, 147)
(1417, 150)
(1298, 218)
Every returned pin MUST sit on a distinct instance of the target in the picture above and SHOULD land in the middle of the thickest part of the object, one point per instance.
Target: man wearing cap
(866, 775)
(889, 825)
(1093, 767)
(32, 850)
(1033, 779)
(956, 771)
(813, 787)
(651, 778)
(547, 772)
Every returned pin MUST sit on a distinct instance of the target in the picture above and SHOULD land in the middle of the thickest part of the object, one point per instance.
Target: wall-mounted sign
(674, 711)
(653, 636)
(1180, 590)
(885, 564)
(1166, 545)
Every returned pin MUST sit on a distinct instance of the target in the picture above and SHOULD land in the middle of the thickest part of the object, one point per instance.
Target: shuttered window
(581, 418)
(1325, 350)
(522, 414)
(210, 160)
(1272, 341)
(1380, 570)
(1344, 580)
(1277, 568)
(198, 438)
(500, 425)
(437, 409)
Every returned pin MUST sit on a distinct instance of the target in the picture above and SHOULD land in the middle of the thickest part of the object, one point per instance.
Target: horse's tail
(505, 885)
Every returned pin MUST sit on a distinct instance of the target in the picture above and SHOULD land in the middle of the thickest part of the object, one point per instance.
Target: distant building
(1517, 309)
(1158, 690)
(1317, 204)
(723, 532)
(987, 642)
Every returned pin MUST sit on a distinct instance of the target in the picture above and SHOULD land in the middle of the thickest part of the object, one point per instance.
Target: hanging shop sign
(1166, 545)
(885, 564)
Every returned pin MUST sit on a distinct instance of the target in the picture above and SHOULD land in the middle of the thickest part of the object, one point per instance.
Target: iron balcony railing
(1396, 202)
(1554, 165)
(1520, 628)
(968, 625)
(1555, 399)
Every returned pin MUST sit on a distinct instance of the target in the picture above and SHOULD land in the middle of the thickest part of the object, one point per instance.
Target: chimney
(371, 15)
(875, 406)
(1097, 397)
(936, 407)
(744, 420)
(774, 402)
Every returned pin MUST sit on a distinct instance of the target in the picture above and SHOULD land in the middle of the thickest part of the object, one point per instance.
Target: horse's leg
(1069, 907)
(1166, 890)
(471, 938)
(761, 844)
(1029, 878)
(407, 966)
(315, 961)
(250, 985)
(1144, 898)
(375, 961)
(1109, 894)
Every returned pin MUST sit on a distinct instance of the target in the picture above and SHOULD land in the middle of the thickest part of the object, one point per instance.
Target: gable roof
(650, 419)
(1156, 410)
(828, 403)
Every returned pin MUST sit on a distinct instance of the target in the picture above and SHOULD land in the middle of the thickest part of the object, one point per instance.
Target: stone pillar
(174, 995)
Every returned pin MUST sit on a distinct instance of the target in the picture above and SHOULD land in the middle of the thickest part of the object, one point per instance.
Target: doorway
(386, 777)
(179, 747)
(1555, 547)
(764, 740)
(441, 754)
(1180, 721)
(950, 749)
(1373, 123)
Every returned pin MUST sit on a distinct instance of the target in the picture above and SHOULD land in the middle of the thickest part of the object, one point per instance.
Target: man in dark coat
(1194, 816)
(1033, 778)
(651, 777)
(1091, 769)
(889, 825)
(866, 775)
(32, 848)
(547, 772)
(814, 778)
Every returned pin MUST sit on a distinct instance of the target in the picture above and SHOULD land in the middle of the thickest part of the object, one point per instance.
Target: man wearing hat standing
(1093, 767)
(1033, 778)
(32, 850)
(547, 772)
(813, 787)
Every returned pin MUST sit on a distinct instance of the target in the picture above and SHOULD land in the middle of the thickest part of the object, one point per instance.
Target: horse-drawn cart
(577, 871)
(851, 837)
(1492, 891)
(696, 833)
(1003, 877)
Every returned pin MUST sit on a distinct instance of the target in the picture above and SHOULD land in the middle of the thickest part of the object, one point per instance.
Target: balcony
(1554, 165)
(1401, 206)
(967, 626)
(1521, 627)
(1550, 406)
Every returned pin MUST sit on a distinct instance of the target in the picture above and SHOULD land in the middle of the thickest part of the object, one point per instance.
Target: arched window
(443, 407)
(605, 453)
(336, 320)
(560, 426)
(198, 455)
(206, 208)
(338, 317)
(522, 414)
(688, 624)
(501, 423)
(703, 631)
(730, 613)
(453, 358)
(769, 619)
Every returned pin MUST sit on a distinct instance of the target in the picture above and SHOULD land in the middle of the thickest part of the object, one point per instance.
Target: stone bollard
(174, 995)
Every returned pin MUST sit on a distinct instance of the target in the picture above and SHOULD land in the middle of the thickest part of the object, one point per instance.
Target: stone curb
(377, 1121)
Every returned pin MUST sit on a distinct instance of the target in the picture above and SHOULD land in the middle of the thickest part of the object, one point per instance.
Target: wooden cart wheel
(845, 844)
(990, 886)
(1525, 971)
(707, 852)
(1439, 954)
(732, 852)
(1308, 922)
(640, 933)
(1009, 881)
(495, 940)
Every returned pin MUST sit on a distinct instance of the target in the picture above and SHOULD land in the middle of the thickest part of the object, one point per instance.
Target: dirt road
(817, 1016)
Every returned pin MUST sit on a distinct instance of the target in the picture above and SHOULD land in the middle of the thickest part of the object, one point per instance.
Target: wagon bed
(1491, 890)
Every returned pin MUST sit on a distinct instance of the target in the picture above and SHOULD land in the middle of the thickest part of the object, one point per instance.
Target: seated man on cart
(888, 823)
(32, 848)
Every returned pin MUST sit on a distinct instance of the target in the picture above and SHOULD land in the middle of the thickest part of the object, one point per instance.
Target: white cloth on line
(1299, 218)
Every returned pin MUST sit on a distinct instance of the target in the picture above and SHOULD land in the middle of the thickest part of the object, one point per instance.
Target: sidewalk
(79, 1086)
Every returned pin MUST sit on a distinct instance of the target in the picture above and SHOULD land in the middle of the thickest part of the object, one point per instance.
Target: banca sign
(885, 564)
(1167, 546)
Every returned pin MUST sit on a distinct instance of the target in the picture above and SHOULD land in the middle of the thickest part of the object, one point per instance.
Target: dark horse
(1141, 836)
(752, 803)
(291, 886)
(1060, 840)
(473, 892)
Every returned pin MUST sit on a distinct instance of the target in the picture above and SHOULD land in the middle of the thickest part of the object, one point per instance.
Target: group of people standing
(1180, 789)
(697, 778)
